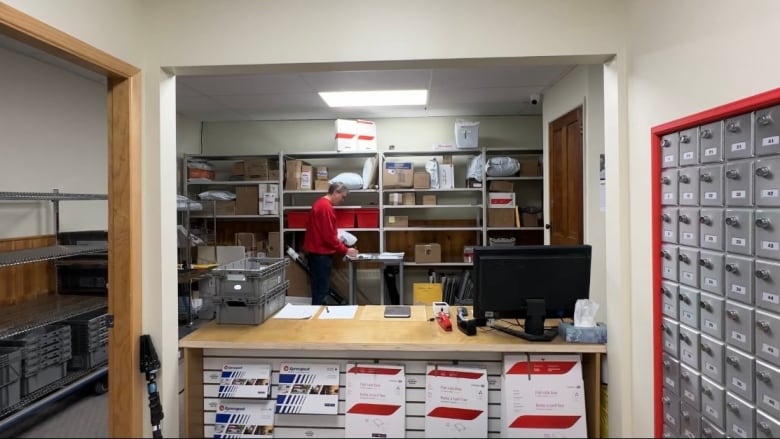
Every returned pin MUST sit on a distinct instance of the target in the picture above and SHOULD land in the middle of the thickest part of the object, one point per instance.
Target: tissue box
(583, 334)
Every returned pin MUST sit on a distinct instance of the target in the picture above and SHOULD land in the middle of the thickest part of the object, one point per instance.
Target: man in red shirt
(321, 241)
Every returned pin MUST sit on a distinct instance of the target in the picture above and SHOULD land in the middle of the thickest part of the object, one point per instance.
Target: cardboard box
(398, 174)
(221, 254)
(269, 198)
(246, 200)
(311, 388)
(298, 278)
(427, 253)
(245, 381)
(501, 217)
(501, 199)
(374, 405)
(530, 167)
(322, 173)
(501, 186)
(366, 135)
(238, 168)
(321, 185)
(292, 169)
(530, 220)
(538, 392)
(397, 221)
(257, 415)
(256, 169)
(446, 176)
(409, 199)
(429, 200)
(225, 207)
(307, 177)
(422, 180)
(456, 404)
(273, 250)
(395, 198)
(346, 135)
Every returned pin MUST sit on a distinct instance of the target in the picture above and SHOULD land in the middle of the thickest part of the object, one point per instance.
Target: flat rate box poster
(244, 419)
(308, 388)
(375, 401)
(456, 401)
(245, 381)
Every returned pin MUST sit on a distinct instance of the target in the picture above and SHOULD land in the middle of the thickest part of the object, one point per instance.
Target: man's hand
(352, 252)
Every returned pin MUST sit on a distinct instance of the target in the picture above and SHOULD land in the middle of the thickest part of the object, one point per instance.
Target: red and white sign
(375, 401)
(456, 401)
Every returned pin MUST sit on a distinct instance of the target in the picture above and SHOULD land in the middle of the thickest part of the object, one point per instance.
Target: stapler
(466, 326)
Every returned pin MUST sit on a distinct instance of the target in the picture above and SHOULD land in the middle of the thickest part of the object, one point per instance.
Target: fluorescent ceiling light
(374, 98)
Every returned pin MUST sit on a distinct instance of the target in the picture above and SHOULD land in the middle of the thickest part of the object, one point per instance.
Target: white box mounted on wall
(466, 134)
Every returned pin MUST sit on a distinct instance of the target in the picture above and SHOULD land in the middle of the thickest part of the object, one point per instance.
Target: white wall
(54, 136)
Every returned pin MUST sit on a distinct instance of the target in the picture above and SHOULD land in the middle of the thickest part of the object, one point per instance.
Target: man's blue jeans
(320, 267)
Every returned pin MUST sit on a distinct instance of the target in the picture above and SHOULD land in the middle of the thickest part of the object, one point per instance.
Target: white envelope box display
(543, 396)
(456, 401)
(308, 388)
(346, 135)
(375, 401)
(366, 135)
(245, 381)
(244, 419)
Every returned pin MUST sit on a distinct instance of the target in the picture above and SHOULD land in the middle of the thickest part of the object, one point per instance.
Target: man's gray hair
(337, 186)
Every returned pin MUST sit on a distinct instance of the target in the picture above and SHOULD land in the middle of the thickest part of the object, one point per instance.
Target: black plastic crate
(82, 279)
(83, 237)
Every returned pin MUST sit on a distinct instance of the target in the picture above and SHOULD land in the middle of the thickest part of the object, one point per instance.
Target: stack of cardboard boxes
(502, 209)
(298, 175)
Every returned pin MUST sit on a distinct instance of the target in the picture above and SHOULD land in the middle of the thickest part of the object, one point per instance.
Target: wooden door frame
(124, 207)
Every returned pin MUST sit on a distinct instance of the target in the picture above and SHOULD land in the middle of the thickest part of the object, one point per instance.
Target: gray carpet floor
(83, 415)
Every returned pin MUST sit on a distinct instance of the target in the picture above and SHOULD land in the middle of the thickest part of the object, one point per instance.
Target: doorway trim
(124, 207)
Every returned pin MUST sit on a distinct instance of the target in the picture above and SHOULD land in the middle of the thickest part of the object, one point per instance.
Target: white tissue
(585, 313)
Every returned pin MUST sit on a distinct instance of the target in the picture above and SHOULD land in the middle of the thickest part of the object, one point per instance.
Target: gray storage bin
(250, 311)
(10, 364)
(88, 360)
(249, 277)
(44, 377)
(9, 395)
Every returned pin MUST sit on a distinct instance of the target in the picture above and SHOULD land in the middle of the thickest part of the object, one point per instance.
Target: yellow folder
(426, 293)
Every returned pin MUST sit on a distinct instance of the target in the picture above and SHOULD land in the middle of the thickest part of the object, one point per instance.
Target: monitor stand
(534, 323)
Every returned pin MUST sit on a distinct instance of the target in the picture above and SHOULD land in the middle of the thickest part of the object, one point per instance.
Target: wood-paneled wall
(20, 283)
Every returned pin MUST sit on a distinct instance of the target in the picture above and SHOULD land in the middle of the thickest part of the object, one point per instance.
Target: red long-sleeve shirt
(321, 233)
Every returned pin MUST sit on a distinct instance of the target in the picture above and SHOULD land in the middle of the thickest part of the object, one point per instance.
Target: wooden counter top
(362, 333)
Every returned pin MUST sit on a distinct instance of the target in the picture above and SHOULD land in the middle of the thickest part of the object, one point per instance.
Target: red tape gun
(444, 321)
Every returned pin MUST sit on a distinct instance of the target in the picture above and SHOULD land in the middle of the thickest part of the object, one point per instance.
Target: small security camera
(535, 99)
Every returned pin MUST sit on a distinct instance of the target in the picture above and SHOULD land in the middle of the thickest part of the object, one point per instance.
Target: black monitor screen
(506, 277)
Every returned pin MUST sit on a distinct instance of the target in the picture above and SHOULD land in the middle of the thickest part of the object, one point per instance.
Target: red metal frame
(746, 105)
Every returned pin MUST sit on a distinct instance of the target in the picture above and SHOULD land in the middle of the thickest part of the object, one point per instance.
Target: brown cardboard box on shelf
(321, 185)
(238, 168)
(501, 217)
(422, 180)
(530, 219)
(294, 170)
(427, 253)
(256, 169)
(395, 198)
(409, 199)
(396, 221)
(246, 200)
(221, 254)
(530, 167)
(273, 249)
(429, 199)
(398, 174)
(225, 207)
(299, 285)
(322, 173)
(501, 186)
(307, 177)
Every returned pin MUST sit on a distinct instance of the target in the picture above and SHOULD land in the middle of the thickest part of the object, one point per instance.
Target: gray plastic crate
(10, 364)
(249, 311)
(249, 277)
(276, 300)
(9, 395)
(88, 330)
(44, 377)
(88, 360)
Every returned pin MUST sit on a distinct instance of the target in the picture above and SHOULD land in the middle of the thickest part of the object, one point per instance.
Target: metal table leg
(352, 280)
(401, 283)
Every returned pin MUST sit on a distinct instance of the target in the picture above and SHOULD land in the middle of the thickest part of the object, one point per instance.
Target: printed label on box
(456, 401)
(244, 419)
(375, 401)
(245, 381)
(308, 388)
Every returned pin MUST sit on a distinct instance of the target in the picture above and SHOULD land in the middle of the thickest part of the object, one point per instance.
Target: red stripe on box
(363, 137)
(345, 135)
(541, 368)
(374, 370)
(454, 413)
(455, 374)
(373, 409)
(544, 421)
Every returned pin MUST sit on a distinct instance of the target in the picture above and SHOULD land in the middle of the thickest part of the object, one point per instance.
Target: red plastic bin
(367, 218)
(345, 218)
(297, 220)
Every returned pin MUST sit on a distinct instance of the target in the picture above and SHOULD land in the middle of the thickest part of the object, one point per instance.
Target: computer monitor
(530, 282)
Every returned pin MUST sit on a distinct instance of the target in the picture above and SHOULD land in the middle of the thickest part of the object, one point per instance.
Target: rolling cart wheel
(101, 386)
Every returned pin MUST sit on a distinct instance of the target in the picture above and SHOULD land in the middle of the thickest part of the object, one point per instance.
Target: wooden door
(566, 171)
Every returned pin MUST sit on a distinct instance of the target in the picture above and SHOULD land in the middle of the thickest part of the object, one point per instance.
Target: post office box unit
(767, 131)
(669, 151)
(766, 426)
(711, 315)
(712, 359)
(670, 299)
(688, 186)
(768, 388)
(671, 409)
(713, 400)
(711, 142)
(767, 285)
(671, 373)
(690, 387)
(739, 279)
(689, 306)
(711, 271)
(688, 147)
(708, 430)
(740, 417)
(669, 187)
(689, 346)
(767, 338)
(669, 223)
(688, 226)
(767, 182)
(739, 231)
(690, 421)
(736, 137)
(711, 185)
(767, 233)
(740, 373)
(669, 263)
(738, 177)
(739, 326)
(688, 268)
(711, 228)
(670, 335)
